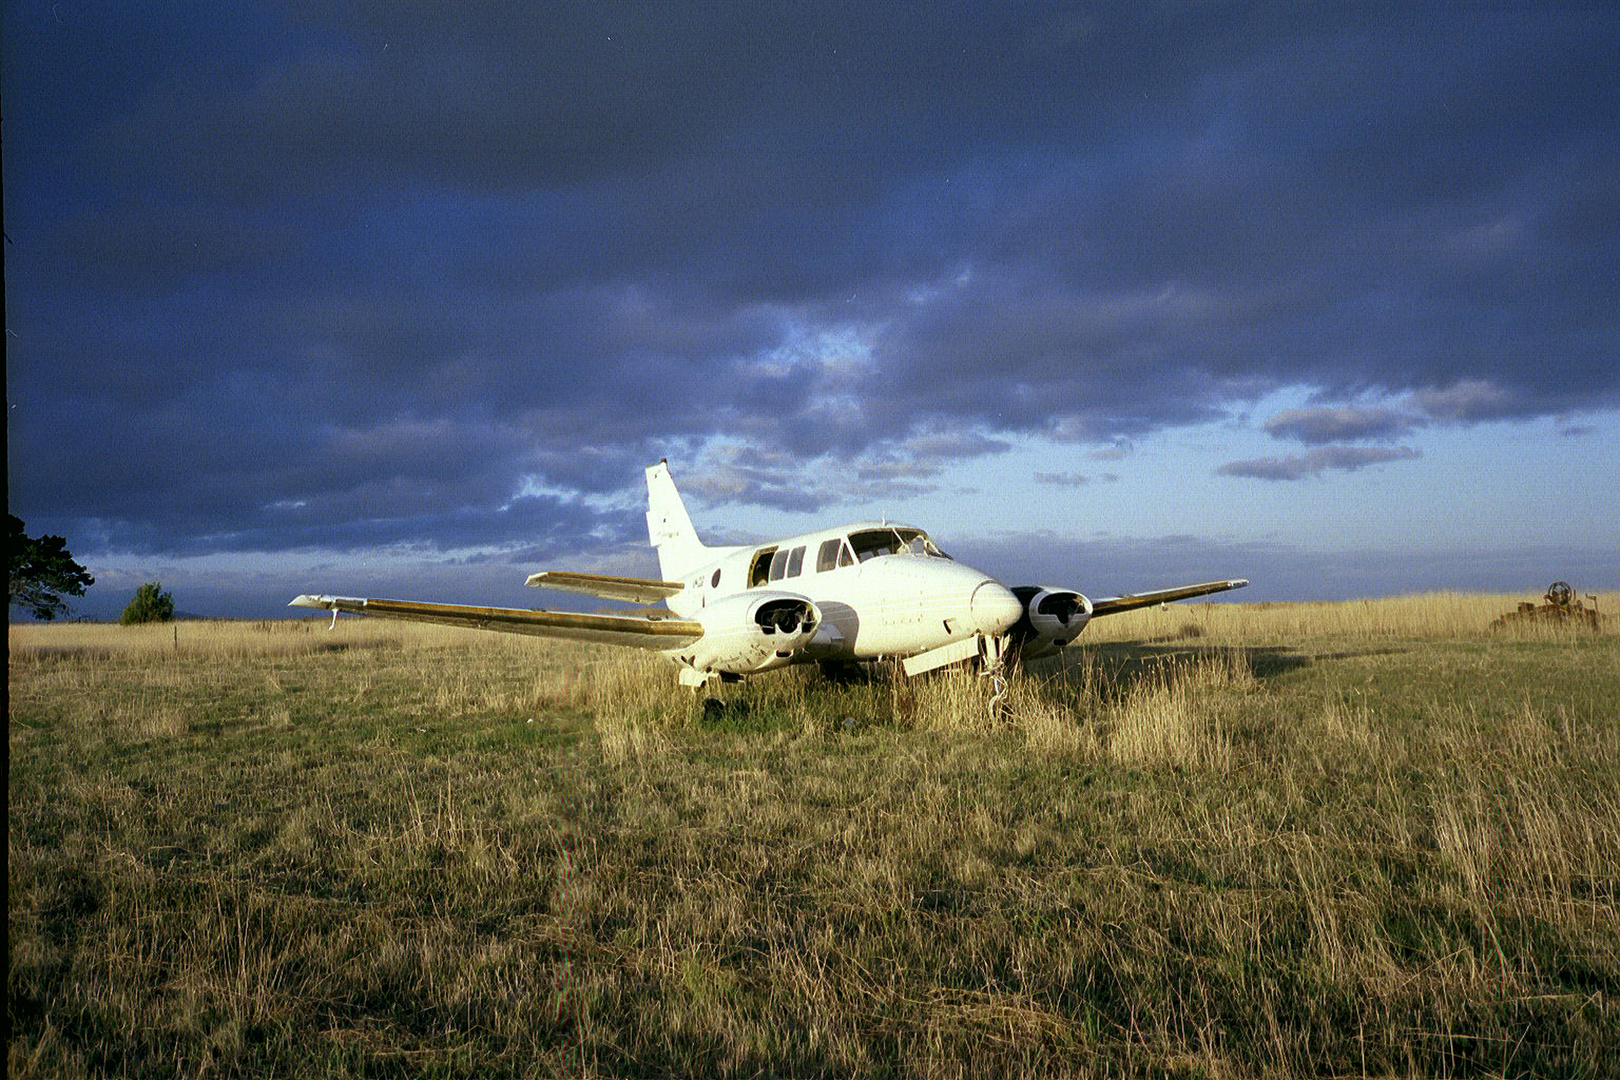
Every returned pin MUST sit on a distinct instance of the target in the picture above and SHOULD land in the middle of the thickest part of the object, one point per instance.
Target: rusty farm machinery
(1560, 607)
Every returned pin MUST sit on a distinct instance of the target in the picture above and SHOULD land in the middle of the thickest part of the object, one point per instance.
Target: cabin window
(795, 561)
(779, 564)
(827, 554)
(714, 582)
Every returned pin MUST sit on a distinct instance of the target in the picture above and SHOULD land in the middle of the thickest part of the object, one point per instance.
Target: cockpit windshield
(871, 543)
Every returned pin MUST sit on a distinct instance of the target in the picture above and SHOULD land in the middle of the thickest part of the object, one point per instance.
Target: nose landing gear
(994, 655)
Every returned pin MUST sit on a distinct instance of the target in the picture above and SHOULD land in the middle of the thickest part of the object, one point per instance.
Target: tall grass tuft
(1161, 722)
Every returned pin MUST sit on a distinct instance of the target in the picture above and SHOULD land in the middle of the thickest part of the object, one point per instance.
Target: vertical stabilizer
(669, 528)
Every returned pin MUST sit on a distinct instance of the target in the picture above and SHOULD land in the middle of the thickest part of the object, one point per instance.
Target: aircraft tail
(669, 528)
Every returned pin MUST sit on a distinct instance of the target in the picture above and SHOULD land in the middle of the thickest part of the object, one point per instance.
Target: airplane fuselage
(881, 588)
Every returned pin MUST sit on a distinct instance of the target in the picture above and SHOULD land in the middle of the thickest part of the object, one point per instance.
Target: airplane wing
(614, 588)
(1113, 605)
(647, 632)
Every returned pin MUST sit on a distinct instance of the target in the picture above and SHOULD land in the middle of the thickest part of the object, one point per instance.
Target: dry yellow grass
(1299, 840)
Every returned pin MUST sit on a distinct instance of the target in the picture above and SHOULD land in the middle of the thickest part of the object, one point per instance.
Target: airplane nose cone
(994, 608)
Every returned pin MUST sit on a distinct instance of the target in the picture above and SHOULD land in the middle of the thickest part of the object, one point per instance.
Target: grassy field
(1221, 840)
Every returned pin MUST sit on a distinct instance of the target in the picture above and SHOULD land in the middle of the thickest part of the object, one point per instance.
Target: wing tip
(314, 600)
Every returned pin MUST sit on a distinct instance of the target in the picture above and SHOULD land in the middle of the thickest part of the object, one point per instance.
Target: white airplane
(869, 590)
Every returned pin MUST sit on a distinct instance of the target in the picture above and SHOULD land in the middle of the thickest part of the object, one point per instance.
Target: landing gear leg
(994, 654)
(999, 681)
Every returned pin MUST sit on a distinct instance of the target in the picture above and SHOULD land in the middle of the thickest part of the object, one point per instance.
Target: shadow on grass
(740, 716)
(1125, 664)
(1120, 666)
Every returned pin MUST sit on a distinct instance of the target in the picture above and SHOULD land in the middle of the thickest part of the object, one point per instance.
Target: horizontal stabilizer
(637, 590)
(1113, 605)
(648, 632)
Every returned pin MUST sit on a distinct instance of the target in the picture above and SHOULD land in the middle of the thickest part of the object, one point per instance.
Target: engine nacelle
(1052, 618)
(751, 631)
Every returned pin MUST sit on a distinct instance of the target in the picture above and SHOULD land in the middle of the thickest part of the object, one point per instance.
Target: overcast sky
(400, 299)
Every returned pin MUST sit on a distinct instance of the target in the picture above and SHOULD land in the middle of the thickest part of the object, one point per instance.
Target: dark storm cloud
(304, 277)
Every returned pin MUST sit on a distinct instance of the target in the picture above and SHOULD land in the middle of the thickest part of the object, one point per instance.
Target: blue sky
(400, 300)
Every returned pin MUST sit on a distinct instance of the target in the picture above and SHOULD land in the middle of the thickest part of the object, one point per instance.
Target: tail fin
(669, 528)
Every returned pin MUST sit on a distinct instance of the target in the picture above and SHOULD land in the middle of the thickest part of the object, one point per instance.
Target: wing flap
(1113, 605)
(647, 632)
(638, 590)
